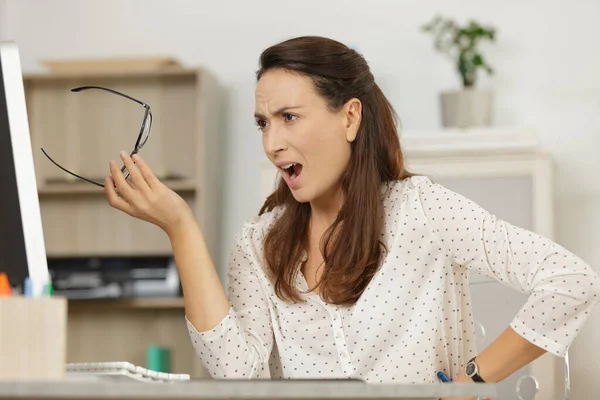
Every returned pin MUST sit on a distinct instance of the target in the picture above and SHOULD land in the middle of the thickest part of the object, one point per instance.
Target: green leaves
(460, 45)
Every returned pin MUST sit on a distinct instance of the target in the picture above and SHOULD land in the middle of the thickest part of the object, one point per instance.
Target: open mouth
(291, 170)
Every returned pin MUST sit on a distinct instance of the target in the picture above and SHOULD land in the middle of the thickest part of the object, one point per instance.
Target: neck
(325, 210)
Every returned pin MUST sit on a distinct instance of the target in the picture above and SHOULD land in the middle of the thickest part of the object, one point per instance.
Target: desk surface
(223, 389)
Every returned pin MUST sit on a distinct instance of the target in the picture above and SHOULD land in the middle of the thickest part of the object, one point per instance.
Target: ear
(352, 112)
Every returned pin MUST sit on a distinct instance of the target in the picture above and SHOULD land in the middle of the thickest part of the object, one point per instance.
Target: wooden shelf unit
(83, 131)
(180, 186)
(113, 74)
(120, 330)
(149, 303)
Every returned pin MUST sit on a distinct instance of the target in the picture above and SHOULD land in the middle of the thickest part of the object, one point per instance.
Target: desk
(239, 390)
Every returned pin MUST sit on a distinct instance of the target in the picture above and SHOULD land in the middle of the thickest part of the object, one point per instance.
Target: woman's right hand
(146, 197)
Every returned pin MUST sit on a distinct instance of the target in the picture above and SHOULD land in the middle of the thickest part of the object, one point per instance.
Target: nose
(274, 141)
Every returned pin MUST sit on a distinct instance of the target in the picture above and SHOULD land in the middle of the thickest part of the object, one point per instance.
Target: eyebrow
(280, 111)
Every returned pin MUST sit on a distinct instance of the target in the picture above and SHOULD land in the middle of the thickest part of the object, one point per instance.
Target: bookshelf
(151, 303)
(45, 190)
(83, 131)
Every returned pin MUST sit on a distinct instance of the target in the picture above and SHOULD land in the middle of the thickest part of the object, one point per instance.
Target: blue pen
(443, 377)
(27, 287)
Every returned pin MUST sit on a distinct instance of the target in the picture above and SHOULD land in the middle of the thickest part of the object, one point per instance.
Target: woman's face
(307, 142)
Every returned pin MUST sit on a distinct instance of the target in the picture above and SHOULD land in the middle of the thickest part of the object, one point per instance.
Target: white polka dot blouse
(414, 318)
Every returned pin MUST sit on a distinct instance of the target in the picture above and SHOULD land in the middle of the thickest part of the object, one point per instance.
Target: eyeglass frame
(138, 145)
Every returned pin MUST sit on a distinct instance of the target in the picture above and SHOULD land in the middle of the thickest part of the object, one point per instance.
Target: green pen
(49, 288)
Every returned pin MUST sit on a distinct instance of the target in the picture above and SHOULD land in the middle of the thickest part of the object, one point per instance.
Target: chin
(302, 196)
(308, 195)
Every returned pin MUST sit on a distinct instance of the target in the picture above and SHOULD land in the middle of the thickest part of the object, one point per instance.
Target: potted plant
(469, 106)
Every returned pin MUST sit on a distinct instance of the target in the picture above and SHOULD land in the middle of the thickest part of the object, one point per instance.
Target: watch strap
(475, 376)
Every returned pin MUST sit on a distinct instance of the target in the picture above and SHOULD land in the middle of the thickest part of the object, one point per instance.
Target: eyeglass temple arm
(79, 89)
(69, 172)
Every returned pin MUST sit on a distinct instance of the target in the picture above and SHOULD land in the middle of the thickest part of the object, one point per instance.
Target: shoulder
(255, 229)
(399, 190)
(421, 194)
(264, 221)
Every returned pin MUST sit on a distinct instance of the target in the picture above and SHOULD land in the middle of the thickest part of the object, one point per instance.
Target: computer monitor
(22, 248)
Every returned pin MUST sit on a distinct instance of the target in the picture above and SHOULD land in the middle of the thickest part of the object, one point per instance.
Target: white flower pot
(467, 108)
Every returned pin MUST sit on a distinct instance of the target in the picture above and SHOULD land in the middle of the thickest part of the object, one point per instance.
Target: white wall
(546, 58)
(2, 19)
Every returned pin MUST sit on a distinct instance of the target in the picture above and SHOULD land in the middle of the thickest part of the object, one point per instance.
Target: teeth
(286, 166)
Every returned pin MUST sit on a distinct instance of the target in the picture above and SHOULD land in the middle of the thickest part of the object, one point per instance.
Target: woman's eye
(289, 117)
(261, 123)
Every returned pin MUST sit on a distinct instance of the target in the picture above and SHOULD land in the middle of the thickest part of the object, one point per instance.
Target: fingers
(138, 180)
(147, 173)
(120, 182)
(113, 197)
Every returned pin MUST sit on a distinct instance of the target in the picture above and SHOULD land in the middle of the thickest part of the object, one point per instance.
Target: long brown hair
(351, 248)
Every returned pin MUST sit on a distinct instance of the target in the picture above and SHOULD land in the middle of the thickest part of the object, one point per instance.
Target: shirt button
(337, 336)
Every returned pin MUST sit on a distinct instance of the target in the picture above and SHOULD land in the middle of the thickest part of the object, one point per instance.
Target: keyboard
(120, 371)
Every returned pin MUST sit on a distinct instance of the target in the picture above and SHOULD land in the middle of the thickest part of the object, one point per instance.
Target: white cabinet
(518, 189)
(503, 172)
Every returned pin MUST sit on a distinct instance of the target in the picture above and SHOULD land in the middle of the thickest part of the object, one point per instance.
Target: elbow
(580, 283)
(235, 373)
(592, 293)
(239, 365)
(583, 288)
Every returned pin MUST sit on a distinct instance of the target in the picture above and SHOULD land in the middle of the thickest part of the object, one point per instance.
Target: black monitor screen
(13, 259)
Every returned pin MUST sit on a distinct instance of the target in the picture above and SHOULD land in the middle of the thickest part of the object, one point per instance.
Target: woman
(354, 267)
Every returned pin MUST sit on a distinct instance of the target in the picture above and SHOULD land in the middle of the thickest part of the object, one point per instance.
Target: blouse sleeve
(239, 347)
(562, 289)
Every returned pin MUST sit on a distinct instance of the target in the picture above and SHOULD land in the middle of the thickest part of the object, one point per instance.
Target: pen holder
(33, 338)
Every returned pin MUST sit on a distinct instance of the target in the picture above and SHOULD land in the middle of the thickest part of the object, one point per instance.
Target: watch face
(470, 370)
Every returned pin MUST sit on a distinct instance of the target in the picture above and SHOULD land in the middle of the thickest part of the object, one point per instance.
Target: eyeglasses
(139, 143)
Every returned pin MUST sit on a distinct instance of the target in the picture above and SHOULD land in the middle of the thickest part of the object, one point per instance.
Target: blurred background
(545, 87)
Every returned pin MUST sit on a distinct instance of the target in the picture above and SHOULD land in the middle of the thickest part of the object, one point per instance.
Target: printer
(114, 277)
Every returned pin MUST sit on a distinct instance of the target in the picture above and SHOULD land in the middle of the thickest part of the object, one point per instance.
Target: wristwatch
(472, 371)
